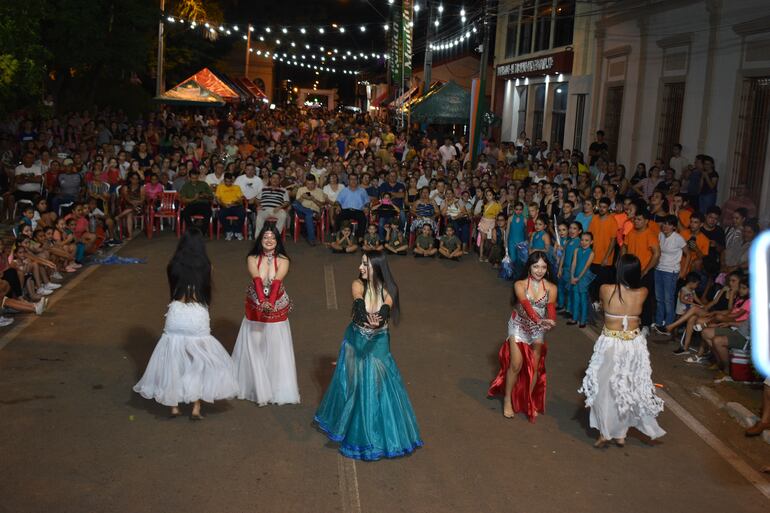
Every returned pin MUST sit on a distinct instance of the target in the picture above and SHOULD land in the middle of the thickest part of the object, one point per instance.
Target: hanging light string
(240, 30)
(293, 60)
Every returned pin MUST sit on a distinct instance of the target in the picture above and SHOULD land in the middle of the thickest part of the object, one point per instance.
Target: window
(537, 124)
(511, 34)
(565, 20)
(580, 112)
(526, 27)
(750, 151)
(521, 124)
(543, 26)
(559, 113)
(670, 119)
(539, 25)
(613, 108)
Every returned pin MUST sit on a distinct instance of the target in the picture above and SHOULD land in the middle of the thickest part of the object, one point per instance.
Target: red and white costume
(264, 352)
(524, 326)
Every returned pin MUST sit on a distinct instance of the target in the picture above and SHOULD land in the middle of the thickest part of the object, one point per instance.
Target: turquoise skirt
(366, 408)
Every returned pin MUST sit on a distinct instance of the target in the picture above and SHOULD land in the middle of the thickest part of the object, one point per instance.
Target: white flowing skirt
(187, 368)
(619, 390)
(264, 363)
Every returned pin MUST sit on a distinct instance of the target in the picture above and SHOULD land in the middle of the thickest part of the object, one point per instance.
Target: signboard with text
(548, 64)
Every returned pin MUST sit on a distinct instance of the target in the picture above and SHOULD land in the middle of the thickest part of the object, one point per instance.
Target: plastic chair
(320, 224)
(274, 220)
(167, 209)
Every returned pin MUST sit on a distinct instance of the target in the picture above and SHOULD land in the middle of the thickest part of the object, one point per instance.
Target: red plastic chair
(320, 225)
(244, 227)
(198, 217)
(167, 209)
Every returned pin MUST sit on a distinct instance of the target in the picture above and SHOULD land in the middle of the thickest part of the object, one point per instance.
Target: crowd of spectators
(76, 183)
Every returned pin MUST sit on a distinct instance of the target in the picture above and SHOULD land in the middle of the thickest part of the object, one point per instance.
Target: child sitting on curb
(372, 239)
(344, 243)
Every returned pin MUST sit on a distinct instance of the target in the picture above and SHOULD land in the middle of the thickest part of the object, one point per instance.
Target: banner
(401, 45)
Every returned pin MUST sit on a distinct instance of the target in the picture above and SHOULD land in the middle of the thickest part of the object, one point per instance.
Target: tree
(22, 56)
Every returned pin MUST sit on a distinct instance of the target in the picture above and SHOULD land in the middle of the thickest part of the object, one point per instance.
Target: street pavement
(75, 438)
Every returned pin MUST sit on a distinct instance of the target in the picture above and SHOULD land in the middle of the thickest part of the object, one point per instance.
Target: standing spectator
(230, 199)
(677, 162)
(643, 242)
(585, 217)
(448, 152)
(310, 200)
(604, 229)
(695, 182)
(273, 202)
(646, 186)
(597, 148)
(672, 246)
(353, 202)
(712, 263)
(709, 184)
(734, 239)
(195, 196)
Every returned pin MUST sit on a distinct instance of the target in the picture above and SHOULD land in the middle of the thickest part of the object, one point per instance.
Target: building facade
(694, 72)
(650, 74)
(542, 65)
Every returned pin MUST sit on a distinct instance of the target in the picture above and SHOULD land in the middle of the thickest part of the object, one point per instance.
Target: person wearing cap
(195, 196)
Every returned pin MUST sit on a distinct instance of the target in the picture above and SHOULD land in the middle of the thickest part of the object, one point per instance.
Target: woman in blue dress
(581, 279)
(366, 408)
(517, 233)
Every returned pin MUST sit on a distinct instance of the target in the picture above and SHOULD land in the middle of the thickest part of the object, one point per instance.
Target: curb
(710, 395)
(741, 414)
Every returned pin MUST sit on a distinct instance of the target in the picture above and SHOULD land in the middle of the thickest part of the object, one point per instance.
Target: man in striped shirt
(273, 203)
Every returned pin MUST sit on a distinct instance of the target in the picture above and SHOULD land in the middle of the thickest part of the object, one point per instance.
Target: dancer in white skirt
(264, 353)
(188, 365)
(618, 384)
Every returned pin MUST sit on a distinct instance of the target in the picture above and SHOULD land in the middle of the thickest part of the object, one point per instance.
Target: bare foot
(601, 443)
(620, 442)
(175, 411)
(507, 409)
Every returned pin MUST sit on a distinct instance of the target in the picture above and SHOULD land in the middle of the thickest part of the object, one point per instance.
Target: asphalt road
(75, 438)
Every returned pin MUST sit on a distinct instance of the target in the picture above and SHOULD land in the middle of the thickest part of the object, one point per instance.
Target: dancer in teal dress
(565, 266)
(517, 239)
(581, 279)
(366, 408)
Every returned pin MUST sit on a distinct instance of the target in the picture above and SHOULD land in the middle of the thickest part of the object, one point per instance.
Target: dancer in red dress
(521, 380)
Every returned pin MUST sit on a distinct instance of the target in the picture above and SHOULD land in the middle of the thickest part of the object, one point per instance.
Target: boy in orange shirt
(697, 243)
(643, 242)
(605, 230)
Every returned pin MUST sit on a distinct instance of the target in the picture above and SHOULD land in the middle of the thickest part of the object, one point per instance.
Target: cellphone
(759, 276)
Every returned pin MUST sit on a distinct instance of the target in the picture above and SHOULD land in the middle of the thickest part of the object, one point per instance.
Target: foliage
(22, 56)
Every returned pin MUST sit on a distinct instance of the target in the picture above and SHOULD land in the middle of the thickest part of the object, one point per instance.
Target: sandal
(695, 359)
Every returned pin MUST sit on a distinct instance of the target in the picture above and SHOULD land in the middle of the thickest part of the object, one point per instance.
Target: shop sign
(556, 63)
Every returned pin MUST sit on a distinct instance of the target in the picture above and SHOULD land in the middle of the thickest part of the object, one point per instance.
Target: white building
(652, 73)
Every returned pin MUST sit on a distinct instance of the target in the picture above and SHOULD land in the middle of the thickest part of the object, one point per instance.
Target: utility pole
(428, 51)
(482, 107)
(159, 86)
(248, 49)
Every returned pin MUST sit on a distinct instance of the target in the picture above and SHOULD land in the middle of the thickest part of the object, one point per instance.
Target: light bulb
(363, 29)
(416, 7)
(462, 12)
(441, 8)
(302, 30)
(386, 27)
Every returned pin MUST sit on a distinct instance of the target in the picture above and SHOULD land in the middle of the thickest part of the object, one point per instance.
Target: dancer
(264, 353)
(618, 384)
(521, 380)
(188, 365)
(366, 408)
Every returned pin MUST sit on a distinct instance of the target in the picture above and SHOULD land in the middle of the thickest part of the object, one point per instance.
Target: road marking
(52, 300)
(346, 467)
(727, 454)
(331, 287)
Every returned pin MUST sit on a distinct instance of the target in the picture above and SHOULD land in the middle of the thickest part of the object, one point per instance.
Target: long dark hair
(382, 277)
(628, 273)
(533, 258)
(257, 249)
(189, 271)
